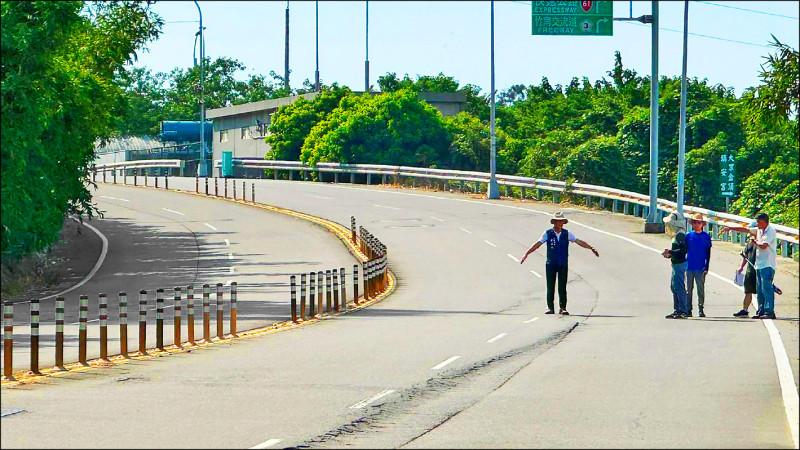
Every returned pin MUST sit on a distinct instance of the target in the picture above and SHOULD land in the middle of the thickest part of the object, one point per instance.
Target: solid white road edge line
(512, 257)
(791, 401)
(268, 443)
(534, 272)
(792, 410)
(489, 243)
(173, 211)
(366, 402)
(211, 226)
(531, 320)
(97, 264)
(445, 362)
(496, 338)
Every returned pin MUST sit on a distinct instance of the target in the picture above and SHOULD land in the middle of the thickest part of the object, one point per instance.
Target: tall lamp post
(366, 59)
(682, 132)
(203, 167)
(316, 27)
(654, 223)
(492, 190)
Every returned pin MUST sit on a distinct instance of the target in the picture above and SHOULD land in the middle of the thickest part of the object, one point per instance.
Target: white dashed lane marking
(445, 362)
(496, 338)
(375, 397)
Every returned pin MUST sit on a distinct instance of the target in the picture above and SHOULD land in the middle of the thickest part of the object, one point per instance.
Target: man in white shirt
(766, 255)
(557, 240)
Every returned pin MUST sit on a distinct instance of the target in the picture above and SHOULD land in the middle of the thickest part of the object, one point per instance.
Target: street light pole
(682, 132)
(492, 190)
(316, 26)
(366, 60)
(203, 167)
(286, 59)
(654, 224)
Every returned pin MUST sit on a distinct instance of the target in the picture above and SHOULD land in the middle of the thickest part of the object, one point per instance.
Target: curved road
(460, 356)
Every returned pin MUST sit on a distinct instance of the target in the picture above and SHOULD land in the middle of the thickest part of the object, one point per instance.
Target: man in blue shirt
(698, 256)
(557, 240)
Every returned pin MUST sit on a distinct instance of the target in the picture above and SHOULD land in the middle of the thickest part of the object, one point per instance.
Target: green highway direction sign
(573, 18)
(727, 165)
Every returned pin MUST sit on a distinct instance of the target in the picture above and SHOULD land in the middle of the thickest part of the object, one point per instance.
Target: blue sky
(453, 37)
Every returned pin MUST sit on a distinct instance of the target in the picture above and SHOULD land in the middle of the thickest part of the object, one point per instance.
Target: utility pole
(316, 26)
(492, 190)
(286, 61)
(654, 223)
(682, 132)
(366, 60)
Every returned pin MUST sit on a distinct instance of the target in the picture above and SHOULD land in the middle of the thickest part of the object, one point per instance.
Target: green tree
(58, 94)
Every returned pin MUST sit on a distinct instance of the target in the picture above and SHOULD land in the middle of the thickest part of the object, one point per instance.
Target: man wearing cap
(698, 255)
(557, 240)
(677, 256)
(766, 256)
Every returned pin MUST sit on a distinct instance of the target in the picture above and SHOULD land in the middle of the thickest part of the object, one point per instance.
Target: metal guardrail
(621, 200)
(141, 164)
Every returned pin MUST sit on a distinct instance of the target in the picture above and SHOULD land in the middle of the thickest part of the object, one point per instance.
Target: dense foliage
(586, 132)
(58, 93)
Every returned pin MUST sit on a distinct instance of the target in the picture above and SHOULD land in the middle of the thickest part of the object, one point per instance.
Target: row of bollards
(8, 328)
(375, 280)
(225, 188)
(125, 176)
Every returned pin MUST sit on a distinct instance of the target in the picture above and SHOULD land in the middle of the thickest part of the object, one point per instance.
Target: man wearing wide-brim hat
(557, 240)
(698, 256)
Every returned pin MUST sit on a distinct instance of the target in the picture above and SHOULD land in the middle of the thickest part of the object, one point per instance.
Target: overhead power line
(701, 35)
(680, 31)
(750, 10)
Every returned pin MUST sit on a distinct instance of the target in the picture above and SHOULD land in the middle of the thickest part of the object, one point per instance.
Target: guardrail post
(114, 175)
(166, 180)
(84, 311)
(220, 312)
(302, 296)
(355, 283)
(225, 182)
(124, 176)
(335, 177)
(626, 208)
(176, 321)
(8, 340)
(344, 290)
(477, 187)
(328, 291)
(234, 307)
(320, 287)
(103, 316)
(369, 178)
(160, 319)
(293, 285)
(311, 295)
(216, 187)
(104, 175)
(602, 203)
(352, 177)
(336, 289)
(291, 175)
(123, 323)
(784, 248)
(60, 332)
(645, 211)
(233, 182)
(275, 174)
(143, 322)
(614, 205)
(383, 178)
(145, 177)
(34, 315)
(206, 314)
(190, 313)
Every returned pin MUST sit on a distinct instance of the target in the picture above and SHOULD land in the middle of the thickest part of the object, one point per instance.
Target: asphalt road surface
(461, 355)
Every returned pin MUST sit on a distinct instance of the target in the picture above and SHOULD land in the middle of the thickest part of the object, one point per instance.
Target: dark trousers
(550, 273)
